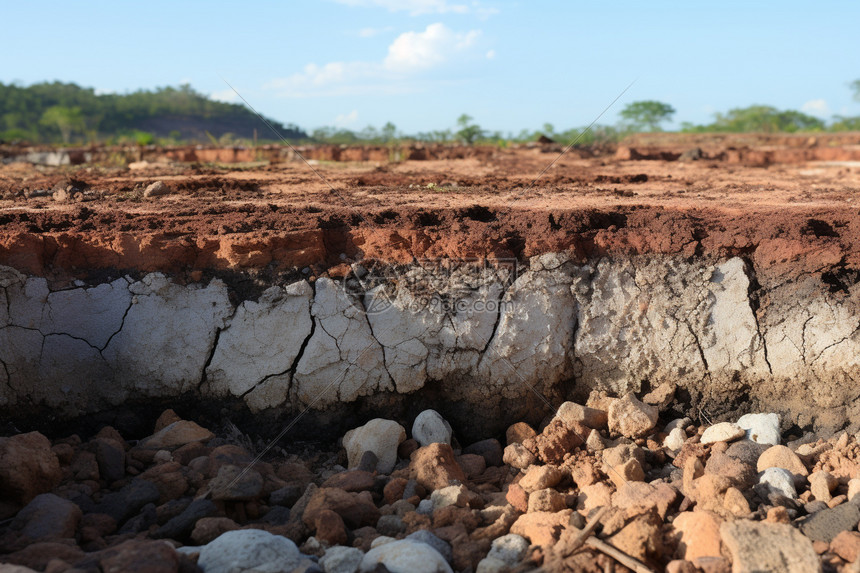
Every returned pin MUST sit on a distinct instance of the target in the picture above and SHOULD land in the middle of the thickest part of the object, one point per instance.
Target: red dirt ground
(788, 217)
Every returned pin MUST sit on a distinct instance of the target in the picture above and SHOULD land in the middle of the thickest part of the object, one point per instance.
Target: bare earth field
(197, 375)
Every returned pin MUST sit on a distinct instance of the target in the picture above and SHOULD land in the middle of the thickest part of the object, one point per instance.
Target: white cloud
(346, 119)
(491, 54)
(412, 51)
(228, 96)
(816, 107)
(408, 55)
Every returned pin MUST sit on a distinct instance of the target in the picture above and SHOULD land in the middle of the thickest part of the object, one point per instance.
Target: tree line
(66, 113)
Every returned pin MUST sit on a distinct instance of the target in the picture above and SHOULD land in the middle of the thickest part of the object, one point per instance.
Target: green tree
(764, 118)
(855, 87)
(468, 131)
(389, 132)
(647, 114)
(66, 119)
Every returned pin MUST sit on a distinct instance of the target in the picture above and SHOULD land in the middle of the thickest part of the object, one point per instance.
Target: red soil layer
(788, 218)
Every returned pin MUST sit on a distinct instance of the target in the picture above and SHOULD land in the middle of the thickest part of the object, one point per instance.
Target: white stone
(510, 549)
(761, 428)
(261, 341)
(381, 540)
(405, 556)
(722, 432)
(780, 481)
(451, 495)
(378, 436)
(340, 559)
(675, 439)
(249, 549)
(492, 565)
(342, 360)
(681, 423)
(430, 428)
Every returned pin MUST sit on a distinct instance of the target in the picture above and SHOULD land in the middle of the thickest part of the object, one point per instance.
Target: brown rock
(209, 528)
(518, 456)
(165, 419)
(572, 413)
(735, 503)
(741, 475)
(353, 480)
(540, 477)
(542, 528)
(64, 453)
(473, 465)
(394, 490)
(778, 514)
(593, 496)
(782, 457)
(37, 555)
(85, 466)
(762, 546)
(681, 566)
(28, 467)
(356, 509)
(435, 466)
(846, 545)
(646, 497)
(169, 479)
(698, 535)
(459, 516)
(583, 473)
(629, 471)
(406, 448)
(641, 537)
(519, 432)
(175, 435)
(557, 440)
(661, 396)
(546, 500)
(687, 451)
(188, 452)
(712, 564)
(134, 556)
(330, 528)
(821, 483)
(517, 497)
(631, 418)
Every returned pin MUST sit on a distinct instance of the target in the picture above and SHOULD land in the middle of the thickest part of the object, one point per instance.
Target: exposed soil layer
(73, 222)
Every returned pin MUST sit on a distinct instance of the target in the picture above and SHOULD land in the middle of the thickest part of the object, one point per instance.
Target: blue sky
(421, 63)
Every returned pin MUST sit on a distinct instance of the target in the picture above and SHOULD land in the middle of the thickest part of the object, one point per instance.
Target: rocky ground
(606, 486)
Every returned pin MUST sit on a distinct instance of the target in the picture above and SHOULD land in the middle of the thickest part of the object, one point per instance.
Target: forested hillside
(67, 113)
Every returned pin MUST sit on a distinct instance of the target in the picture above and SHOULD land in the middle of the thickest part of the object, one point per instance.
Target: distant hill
(67, 113)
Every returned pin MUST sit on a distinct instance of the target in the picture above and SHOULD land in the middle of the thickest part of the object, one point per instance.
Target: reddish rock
(517, 497)
(134, 556)
(540, 477)
(546, 500)
(645, 496)
(473, 465)
(557, 440)
(453, 515)
(188, 452)
(641, 538)
(697, 534)
(28, 467)
(593, 496)
(353, 480)
(407, 448)
(64, 452)
(846, 545)
(356, 509)
(394, 490)
(37, 555)
(209, 528)
(230, 455)
(169, 480)
(165, 419)
(542, 528)
(435, 466)
(330, 528)
(175, 435)
(518, 433)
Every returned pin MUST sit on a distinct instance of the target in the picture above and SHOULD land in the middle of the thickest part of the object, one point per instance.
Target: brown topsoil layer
(787, 217)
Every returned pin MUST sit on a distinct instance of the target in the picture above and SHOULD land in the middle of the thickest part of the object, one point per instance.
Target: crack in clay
(121, 325)
(749, 269)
